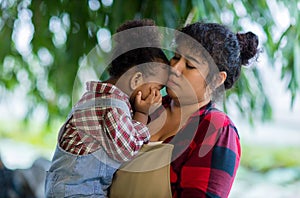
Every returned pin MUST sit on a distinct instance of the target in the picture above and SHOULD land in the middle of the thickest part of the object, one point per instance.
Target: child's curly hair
(130, 58)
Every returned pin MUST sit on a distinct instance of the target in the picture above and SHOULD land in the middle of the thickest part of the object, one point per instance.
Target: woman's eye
(190, 66)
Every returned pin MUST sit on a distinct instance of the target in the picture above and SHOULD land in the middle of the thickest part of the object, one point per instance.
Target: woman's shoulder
(216, 126)
(218, 118)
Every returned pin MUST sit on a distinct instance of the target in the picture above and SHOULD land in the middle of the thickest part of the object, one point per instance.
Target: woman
(206, 152)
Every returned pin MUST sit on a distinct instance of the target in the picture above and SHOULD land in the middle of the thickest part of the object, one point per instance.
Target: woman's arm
(211, 166)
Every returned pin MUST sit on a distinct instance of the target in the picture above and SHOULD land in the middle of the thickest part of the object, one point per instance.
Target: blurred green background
(43, 44)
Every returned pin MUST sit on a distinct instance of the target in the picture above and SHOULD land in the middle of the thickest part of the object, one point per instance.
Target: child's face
(157, 81)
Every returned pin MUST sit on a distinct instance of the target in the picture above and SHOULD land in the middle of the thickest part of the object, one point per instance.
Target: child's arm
(126, 135)
(144, 107)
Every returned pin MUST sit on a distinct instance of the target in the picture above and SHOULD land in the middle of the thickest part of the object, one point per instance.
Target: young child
(101, 131)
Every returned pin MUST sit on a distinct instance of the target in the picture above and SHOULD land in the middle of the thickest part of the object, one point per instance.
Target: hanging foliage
(43, 42)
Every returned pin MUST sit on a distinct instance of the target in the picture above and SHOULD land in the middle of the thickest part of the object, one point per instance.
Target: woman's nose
(176, 67)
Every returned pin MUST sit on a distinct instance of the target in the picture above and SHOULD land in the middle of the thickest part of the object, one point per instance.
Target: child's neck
(121, 85)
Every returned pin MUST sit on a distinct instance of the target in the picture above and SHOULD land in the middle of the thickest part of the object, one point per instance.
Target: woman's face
(187, 81)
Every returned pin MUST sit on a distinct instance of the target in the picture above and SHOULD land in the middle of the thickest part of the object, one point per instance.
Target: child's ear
(136, 80)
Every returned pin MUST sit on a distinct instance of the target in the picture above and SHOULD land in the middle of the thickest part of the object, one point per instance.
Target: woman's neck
(186, 110)
(172, 120)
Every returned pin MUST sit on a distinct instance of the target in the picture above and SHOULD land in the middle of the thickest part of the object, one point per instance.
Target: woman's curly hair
(228, 50)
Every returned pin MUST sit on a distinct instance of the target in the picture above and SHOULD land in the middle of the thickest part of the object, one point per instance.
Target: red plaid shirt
(109, 128)
(206, 154)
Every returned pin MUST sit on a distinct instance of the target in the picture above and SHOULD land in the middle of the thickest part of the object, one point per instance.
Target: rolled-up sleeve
(125, 135)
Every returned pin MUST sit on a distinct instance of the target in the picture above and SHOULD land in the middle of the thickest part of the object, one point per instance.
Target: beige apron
(147, 175)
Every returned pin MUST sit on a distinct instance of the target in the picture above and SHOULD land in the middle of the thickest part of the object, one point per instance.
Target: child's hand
(149, 104)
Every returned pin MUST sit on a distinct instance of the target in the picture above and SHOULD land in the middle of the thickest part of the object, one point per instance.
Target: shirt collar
(204, 109)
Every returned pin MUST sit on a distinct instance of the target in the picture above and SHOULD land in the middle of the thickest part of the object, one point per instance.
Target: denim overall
(88, 175)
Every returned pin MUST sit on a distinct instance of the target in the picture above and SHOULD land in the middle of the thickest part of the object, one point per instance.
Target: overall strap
(102, 102)
(98, 102)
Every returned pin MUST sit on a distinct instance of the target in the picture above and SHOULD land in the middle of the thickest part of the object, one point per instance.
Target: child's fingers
(157, 92)
(138, 97)
(159, 100)
(150, 97)
(158, 97)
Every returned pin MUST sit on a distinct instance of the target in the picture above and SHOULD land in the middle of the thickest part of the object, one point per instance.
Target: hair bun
(248, 43)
